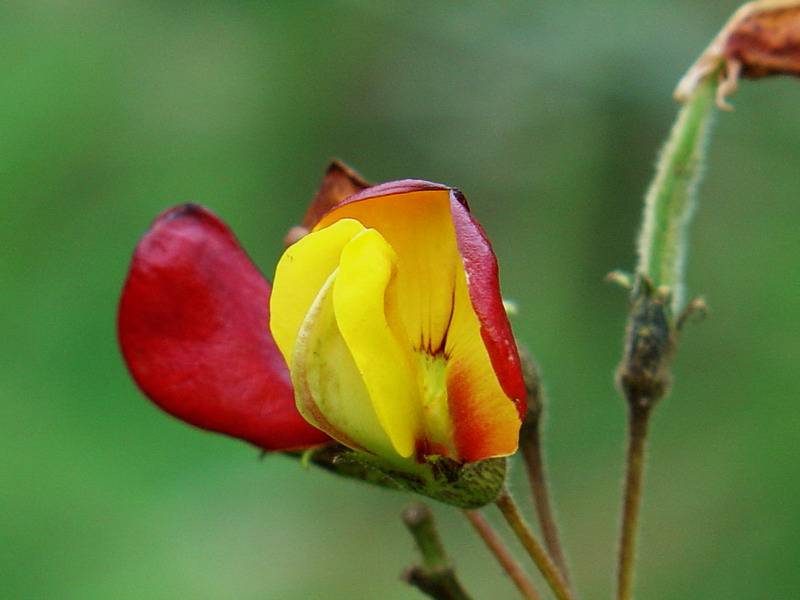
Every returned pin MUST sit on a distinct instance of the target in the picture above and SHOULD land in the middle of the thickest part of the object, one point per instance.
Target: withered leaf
(767, 43)
(761, 38)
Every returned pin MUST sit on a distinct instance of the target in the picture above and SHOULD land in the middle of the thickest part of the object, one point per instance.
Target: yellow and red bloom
(390, 318)
(388, 315)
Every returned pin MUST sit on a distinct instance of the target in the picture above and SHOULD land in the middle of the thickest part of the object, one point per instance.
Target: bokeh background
(548, 115)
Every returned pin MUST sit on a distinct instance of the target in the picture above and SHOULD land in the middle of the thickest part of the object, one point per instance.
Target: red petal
(194, 330)
(480, 265)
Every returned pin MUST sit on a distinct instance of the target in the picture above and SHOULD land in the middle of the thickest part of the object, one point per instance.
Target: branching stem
(435, 576)
(533, 547)
(503, 555)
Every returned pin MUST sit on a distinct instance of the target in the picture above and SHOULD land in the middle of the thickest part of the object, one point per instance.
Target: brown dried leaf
(761, 38)
(339, 182)
(767, 43)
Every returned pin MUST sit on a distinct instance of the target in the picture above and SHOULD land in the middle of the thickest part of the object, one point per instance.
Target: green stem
(435, 576)
(669, 202)
(644, 375)
(503, 555)
(533, 547)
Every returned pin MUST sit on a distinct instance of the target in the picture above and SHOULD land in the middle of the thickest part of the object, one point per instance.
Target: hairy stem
(669, 203)
(503, 555)
(530, 447)
(645, 373)
(531, 450)
(533, 547)
(632, 501)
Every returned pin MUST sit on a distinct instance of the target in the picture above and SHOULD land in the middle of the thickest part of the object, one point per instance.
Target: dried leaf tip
(761, 38)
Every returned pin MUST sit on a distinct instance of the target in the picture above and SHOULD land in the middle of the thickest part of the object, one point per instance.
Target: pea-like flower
(385, 329)
(390, 318)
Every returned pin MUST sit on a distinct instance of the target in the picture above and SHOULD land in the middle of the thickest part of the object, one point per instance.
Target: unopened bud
(644, 373)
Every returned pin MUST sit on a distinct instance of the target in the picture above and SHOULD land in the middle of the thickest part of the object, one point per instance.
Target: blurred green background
(548, 115)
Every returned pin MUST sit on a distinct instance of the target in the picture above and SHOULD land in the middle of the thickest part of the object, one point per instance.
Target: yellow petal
(301, 272)
(329, 389)
(419, 228)
(364, 299)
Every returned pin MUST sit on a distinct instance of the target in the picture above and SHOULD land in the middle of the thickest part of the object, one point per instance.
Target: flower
(390, 318)
(387, 310)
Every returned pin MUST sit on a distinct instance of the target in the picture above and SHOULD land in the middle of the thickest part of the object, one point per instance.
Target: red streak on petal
(480, 265)
(475, 439)
(194, 331)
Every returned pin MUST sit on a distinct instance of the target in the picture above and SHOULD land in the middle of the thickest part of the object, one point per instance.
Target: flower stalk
(530, 448)
(639, 421)
(533, 547)
(670, 201)
(503, 555)
(657, 295)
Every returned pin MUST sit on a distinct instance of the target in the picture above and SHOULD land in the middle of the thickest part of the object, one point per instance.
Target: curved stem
(530, 447)
(531, 450)
(501, 552)
(533, 547)
(669, 203)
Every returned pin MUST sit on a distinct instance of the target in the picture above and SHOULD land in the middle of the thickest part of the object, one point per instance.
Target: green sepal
(469, 485)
